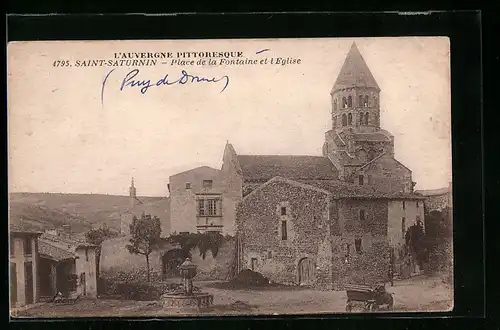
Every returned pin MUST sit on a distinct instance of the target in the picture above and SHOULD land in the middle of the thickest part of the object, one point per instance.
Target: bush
(249, 278)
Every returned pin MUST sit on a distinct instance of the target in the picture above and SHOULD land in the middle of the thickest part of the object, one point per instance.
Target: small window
(417, 205)
(335, 105)
(284, 234)
(361, 215)
(347, 250)
(361, 100)
(344, 102)
(344, 120)
(367, 115)
(359, 247)
(349, 101)
(27, 246)
(335, 121)
(403, 225)
(349, 119)
(370, 178)
(269, 254)
(207, 183)
(87, 254)
(283, 210)
(366, 101)
(361, 179)
(188, 185)
(404, 205)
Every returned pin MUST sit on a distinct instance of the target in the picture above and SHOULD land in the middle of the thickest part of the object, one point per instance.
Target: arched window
(366, 101)
(366, 118)
(349, 101)
(335, 121)
(349, 119)
(344, 120)
(361, 119)
(344, 102)
(335, 105)
(361, 100)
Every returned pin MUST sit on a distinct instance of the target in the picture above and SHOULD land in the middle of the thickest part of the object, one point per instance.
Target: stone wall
(117, 261)
(388, 175)
(308, 231)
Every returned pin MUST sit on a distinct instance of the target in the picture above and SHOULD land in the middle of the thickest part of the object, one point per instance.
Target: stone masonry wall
(308, 232)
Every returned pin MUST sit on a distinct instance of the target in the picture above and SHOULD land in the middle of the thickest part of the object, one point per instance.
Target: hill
(44, 211)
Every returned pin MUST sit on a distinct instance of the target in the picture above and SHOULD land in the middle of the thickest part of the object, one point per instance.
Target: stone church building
(323, 221)
(312, 220)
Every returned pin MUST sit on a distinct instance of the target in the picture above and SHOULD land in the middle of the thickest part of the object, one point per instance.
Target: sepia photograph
(167, 178)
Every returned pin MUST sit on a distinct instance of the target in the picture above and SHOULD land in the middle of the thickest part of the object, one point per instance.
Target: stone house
(66, 265)
(306, 232)
(203, 200)
(23, 264)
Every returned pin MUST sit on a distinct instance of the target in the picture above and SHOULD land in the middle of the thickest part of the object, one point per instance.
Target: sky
(64, 138)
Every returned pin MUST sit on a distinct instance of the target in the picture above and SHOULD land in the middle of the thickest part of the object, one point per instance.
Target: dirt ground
(416, 294)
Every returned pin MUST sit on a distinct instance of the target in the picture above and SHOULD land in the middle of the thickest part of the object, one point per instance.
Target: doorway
(306, 271)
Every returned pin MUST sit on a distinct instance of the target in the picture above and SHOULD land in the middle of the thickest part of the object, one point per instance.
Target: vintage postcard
(229, 177)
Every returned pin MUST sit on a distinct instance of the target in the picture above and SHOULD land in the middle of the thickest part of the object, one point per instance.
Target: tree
(96, 237)
(145, 233)
(417, 243)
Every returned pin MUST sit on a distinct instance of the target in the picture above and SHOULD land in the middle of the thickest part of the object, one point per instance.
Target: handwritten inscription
(130, 81)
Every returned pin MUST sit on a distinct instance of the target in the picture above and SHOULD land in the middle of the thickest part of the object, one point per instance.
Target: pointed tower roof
(355, 72)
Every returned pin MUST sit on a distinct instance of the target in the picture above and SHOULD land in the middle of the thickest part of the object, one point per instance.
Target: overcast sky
(63, 139)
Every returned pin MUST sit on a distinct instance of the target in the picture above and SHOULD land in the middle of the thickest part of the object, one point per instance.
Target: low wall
(116, 261)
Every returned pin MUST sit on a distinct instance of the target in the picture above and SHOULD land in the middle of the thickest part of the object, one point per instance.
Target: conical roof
(355, 72)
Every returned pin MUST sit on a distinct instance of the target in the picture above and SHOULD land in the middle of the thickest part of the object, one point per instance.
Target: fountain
(187, 298)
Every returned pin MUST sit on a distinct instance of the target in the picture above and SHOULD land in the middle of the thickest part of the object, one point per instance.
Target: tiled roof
(63, 241)
(22, 228)
(355, 72)
(340, 189)
(377, 136)
(54, 252)
(434, 192)
(263, 168)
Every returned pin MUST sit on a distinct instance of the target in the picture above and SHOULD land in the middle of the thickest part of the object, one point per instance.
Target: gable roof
(22, 229)
(341, 190)
(355, 72)
(264, 168)
(53, 252)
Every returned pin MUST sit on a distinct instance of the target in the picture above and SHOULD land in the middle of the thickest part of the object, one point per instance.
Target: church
(312, 219)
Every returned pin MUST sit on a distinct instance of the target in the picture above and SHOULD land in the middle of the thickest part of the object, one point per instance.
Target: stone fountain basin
(194, 300)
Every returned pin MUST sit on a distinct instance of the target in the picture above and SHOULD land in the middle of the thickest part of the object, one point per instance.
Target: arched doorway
(170, 261)
(306, 269)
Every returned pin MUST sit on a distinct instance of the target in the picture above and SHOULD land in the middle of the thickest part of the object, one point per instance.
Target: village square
(262, 234)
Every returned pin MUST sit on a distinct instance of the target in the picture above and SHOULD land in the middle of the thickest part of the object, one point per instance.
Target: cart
(370, 298)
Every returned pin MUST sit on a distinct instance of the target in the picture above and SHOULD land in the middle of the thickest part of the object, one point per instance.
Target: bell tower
(355, 96)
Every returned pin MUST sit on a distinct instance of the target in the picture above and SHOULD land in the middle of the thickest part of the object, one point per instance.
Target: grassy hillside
(82, 211)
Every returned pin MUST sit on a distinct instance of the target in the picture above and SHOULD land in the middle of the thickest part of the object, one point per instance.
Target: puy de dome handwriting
(130, 81)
